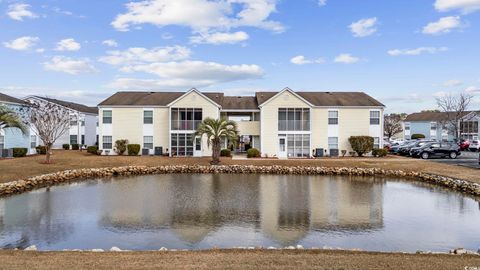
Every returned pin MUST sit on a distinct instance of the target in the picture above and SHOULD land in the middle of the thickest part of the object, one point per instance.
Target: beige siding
(209, 109)
(161, 126)
(352, 122)
(319, 127)
(249, 128)
(127, 123)
(269, 118)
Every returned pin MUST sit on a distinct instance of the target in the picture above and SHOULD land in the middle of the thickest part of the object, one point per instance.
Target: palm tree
(215, 130)
(10, 119)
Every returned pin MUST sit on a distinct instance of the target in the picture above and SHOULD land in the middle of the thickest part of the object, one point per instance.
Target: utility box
(319, 152)
(334, 152)
(159, 151)
(145, 151)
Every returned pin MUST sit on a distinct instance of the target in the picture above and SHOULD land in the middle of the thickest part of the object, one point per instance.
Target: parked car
(405, 150)
(474, 146)
(436, 149)
(395, 147)
(464, 145)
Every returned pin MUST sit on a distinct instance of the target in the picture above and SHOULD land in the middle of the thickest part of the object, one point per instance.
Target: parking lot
(468, 159)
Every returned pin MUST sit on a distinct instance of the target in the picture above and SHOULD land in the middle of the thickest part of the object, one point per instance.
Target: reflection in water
(202, 211)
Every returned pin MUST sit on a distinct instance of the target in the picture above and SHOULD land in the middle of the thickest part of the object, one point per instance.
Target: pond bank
(20, 186)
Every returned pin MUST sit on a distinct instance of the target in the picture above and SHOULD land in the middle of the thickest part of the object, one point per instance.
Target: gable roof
(152, 98)
(239, 103)
(71, 105)
(10, 99)
(215, 98)
(332, 99)
(429, 116)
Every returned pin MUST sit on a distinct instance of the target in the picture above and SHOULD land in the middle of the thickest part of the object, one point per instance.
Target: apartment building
(284, 124)
(83, 122)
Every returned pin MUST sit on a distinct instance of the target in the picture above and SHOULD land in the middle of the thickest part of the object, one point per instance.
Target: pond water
(185, 211)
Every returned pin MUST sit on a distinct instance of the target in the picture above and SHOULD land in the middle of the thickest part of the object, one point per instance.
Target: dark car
(405, 150)
(436, 149)
(394, 148)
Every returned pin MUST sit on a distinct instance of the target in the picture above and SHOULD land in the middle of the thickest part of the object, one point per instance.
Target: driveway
(468, 159)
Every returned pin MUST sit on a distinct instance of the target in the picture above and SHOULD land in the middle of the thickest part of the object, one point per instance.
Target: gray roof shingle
(10, 99)
(74, 106)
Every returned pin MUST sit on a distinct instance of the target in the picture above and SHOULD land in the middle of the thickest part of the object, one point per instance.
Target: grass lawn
(233, 259)
(20, 168)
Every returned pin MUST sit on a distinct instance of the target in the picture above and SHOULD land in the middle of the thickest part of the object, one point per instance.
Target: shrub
(344, 152)
(133, 149)
(19, 152)
(41, 150)
(92, 149)
(352, 153)
(225, 153)
(253, 153)
(66, 146)
(75, 146)
(417, 136)
(379, 152)
(361, 144)
(121, 147)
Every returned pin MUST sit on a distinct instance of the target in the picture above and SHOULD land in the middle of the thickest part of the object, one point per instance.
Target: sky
(405, 53)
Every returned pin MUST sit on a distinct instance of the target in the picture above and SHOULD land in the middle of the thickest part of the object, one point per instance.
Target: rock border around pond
(47, 180)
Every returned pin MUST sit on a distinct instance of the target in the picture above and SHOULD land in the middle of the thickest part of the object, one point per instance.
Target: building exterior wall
(424, 127)
(249, 128)
(13, 137)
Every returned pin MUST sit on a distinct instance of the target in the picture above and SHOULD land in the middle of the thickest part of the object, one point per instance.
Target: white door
(282, 146)
(197, 147)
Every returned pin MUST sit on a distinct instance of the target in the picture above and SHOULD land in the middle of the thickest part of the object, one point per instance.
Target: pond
(201, 211)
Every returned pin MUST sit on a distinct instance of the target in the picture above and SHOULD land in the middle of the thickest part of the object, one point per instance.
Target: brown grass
(233, 259)
(15, 169)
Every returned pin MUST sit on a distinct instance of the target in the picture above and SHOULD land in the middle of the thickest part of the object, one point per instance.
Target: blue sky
(402, 52)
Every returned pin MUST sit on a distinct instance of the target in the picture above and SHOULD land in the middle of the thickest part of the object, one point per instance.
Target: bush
(66, 146)
(121, 147)
(344, 152)
(417, 136)
(92, 150)
(75, 146)
(19, 152)
(225, 153)
(133, 149)
(41, 150)
(379, 152)
(361, 144)
(253, 153)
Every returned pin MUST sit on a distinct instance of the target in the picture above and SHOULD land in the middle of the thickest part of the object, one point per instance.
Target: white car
(474, 146)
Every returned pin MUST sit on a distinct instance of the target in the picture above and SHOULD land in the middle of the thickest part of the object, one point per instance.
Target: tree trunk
(215, 152)
(48, 148)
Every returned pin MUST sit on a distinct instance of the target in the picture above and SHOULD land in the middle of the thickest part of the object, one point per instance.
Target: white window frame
(104, 138)
(333, 145)
(333, 117)
(373, 116)
(145, 142)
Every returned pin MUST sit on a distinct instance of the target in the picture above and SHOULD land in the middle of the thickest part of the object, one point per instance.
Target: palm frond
(10, 119)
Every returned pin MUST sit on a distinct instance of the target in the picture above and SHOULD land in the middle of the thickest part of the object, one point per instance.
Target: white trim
(196, 91)
(131, 106)
(281, 92)
(239, 110)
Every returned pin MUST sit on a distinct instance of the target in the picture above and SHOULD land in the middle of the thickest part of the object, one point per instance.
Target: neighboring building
(280, 124)
(13, 137)
(469, 126)
(83, 122)
(435, 127)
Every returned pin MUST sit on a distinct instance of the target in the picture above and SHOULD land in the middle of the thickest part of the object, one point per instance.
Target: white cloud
(19, 11)
(346, 58)
(200, 15)
(417, 51)
(69, 65)
(187, 74)
(219, 38)
(110, 43)
(142, 55)
(68, 44)
(472, 90)
(364, 27)
(21, 43)
(40, 50)
(301, 60)
(322, 2)
(466, 6)
(451, 83)
(442, 26)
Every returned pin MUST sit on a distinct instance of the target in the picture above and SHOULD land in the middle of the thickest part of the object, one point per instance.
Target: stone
(163, 249)
(271, 248)
(115, 249)
(299, 247)
(460, 251)
(97, 250)
(290, 247)
(31, 248)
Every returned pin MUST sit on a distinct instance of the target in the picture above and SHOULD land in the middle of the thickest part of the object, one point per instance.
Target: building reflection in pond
(284, 208)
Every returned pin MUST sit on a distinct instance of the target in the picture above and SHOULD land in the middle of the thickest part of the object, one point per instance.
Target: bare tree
(392, 124)
(51, 122)
(455, 107)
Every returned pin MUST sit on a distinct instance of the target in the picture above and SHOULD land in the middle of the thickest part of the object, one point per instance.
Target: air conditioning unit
(319, 152)
(145, 151)
(334, 152)
(158, 151)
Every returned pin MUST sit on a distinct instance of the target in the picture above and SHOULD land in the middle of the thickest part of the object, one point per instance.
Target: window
(107, 117)
(148, 142)
(182, 144)
(148, 117)
(374, 117)
(332, 142)
(2, 142)
(333, 117)
(82, 123)
(376, 142)
(33, 141)
(433, 126)
(83, 139)
(198, 144)
(298, 145)
(407, 126)
(186, 118)
(469, 127)
(73, 120)
(294, 119)
(73, 139)
(107, 142)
